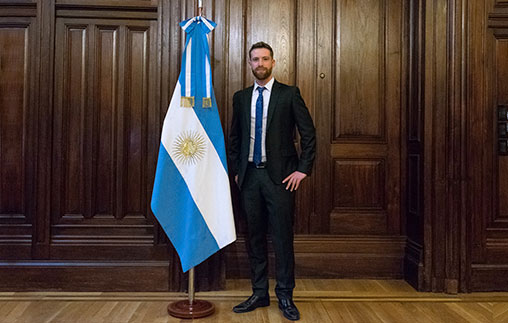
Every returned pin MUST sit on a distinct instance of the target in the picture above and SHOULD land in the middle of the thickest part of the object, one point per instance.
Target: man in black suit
(267, 169)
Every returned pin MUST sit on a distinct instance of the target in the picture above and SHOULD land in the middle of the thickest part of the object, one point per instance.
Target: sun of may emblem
(189, 147)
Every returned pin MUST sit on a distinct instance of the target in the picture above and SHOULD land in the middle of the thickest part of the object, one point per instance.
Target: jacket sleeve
(307, 133)
(235, 137)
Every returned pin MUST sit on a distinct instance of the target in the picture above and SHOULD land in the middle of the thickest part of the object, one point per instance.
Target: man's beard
(262, 73)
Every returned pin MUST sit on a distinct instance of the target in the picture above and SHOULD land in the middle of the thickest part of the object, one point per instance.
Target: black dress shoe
(289, 309)
(251, 304)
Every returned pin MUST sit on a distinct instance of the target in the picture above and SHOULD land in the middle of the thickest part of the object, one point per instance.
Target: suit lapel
(274, 97)
(247, 99)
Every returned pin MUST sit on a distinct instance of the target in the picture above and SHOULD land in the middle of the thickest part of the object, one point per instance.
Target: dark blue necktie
(259, 127)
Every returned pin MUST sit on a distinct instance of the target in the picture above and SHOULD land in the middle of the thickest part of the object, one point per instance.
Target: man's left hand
(293, 180)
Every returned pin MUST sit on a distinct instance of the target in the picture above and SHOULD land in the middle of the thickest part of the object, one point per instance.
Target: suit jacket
(286, 110)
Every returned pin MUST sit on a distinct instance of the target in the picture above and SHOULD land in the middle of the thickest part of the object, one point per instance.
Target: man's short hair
(261, 44)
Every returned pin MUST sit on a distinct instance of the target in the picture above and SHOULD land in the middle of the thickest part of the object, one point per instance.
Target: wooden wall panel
(306, 78)
(16, 138)
(319, 219)
(501, 88)
(359, 200)
(362, 184)
(433, 134)
(453, 146)
(367, 114)
(489, 250)
(359, 85)
(415, 142)
(71, 126)
(102, 175)
(134, 123)
(105, 125)
(15, 103)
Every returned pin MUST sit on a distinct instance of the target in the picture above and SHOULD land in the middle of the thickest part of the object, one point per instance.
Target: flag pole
(191, 285)
(200, 7)
(191, 308)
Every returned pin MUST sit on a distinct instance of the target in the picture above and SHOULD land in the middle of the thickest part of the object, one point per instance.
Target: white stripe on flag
(207, 180)
(210, 27)
(188, 64)
(188, 23)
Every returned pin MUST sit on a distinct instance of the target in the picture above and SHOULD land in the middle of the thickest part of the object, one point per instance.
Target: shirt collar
(268, 85)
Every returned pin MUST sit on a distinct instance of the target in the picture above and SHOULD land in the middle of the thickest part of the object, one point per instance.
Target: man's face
(261, 63)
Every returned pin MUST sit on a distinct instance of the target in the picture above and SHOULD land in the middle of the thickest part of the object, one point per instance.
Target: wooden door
(347, 59)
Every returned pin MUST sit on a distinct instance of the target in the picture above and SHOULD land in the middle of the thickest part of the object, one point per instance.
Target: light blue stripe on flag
(189, 235)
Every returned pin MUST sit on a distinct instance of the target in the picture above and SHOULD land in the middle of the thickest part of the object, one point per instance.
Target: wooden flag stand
(191, 308)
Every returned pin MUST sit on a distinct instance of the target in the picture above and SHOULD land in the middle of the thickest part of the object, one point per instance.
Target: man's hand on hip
(293, 180)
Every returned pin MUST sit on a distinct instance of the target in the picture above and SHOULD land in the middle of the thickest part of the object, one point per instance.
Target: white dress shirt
(266, 99)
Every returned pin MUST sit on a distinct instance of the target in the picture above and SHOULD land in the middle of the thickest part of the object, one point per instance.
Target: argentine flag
(191, 196)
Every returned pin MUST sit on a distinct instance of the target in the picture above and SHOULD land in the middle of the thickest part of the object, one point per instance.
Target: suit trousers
(269, 205)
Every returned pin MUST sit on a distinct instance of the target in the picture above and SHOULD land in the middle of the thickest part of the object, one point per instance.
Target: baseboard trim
(488, 278)
(84, 276)
(376, 257)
